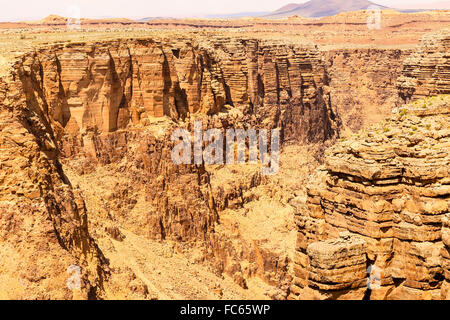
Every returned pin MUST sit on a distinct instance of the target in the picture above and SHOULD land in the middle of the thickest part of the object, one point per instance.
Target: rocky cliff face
(109, 86)
(113, 106)
(92, 90)
(426, 71)
(389, 188)
(363, 84)
(374, 222)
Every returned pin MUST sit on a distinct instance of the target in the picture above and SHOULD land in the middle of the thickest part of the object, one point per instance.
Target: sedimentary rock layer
(109, 86)
(112, 106)
(97, 95)
(388, 186)
(363, 84)
(427, 71)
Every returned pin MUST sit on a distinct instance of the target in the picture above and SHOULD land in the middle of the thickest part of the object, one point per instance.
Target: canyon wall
(98, 95)
(111, 107)
(109, 86)
(89, 125)
(389, 188)
(43, 220)
(426, 71)
(374, 224)
(363, 84)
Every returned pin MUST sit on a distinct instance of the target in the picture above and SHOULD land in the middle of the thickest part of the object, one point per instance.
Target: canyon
(87, 177)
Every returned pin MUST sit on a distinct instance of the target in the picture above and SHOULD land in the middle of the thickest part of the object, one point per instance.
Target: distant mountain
(235, 15)
(322, 8)
(148, 19)
(215, 16)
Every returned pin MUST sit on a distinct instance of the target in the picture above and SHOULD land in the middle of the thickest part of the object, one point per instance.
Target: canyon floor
(87, 180)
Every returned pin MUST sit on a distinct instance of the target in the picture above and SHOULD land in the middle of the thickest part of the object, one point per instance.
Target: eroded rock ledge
(389, 187)
(426, 72)
(43, 221)
(110, 86)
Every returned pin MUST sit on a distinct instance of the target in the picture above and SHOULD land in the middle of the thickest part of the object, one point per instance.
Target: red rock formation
(43, 222)
(426, 72)
(96, 105)
(363, 84)
(90, 90)
(106, 87)
(111, 106)
(389, 187)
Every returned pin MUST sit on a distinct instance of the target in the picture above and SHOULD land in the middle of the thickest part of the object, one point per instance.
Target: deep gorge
(68, 110)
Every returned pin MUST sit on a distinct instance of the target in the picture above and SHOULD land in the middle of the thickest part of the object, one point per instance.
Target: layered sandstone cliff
(427, 71)
(109, 86)
(363, 84)
(388, 187)
(446, 257)
(376, 210)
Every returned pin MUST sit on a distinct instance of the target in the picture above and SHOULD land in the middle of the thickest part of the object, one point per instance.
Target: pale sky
(13, 10)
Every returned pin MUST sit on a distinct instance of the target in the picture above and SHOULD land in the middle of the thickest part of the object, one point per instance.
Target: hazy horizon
(14, 10)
